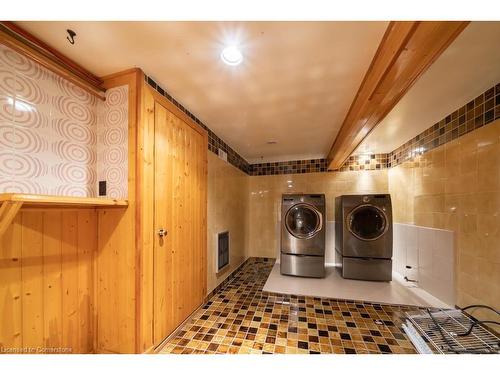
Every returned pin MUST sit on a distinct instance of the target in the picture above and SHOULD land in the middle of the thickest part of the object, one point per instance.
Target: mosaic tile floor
(241, 319)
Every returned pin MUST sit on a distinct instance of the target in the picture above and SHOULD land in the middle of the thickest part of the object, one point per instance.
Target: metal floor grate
(444, 336)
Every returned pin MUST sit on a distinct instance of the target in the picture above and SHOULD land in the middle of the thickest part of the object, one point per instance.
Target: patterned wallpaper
(48, 131)
(112, 142)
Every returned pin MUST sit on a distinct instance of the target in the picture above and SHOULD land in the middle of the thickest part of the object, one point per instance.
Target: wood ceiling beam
(406, 51)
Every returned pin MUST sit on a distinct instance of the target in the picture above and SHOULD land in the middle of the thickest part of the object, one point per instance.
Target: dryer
(303, 235)
(363, 236)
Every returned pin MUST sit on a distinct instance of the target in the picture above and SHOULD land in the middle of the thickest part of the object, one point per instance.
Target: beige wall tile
(454, 187)
(227, 210)
(469, 170)
(265, 200)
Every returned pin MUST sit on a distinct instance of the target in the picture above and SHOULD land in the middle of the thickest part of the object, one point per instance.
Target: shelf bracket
(8, 211)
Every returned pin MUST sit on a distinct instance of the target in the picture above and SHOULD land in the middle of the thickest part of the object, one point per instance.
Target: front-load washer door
(303, 221)
(369, 233)
(367, 222)
(303, 230)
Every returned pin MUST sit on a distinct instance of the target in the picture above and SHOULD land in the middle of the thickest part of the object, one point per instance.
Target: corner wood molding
(30, 46)
(406, 51)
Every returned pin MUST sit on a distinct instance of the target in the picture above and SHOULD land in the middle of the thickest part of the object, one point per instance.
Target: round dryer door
(303, 221)
(367, 222)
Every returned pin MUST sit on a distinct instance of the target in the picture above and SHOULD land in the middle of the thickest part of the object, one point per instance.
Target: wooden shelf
(11, 203)
(54, 200)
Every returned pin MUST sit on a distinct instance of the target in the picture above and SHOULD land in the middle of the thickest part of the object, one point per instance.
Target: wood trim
(11, 203)
(8, 211)
(407, 50)
(144, 216)
(27, 44)
(120, 76)
(120, 234)
(177, 112)
(33, 200)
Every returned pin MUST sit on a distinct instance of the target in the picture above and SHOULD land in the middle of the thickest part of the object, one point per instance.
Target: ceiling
(467, 68)
(294, 87)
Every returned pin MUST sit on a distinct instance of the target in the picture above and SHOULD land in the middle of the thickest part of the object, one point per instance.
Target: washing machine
(363, 236)
(303, 235)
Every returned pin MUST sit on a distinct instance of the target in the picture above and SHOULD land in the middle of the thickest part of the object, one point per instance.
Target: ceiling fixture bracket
(71, 36)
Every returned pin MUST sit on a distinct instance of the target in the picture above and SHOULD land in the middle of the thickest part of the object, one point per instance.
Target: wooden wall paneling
(87, 244)
(180, 206)
(406, 51)
(116, 281)
(191, 237)
(44, 298)
(203, 189)
(195, 165)
(32, 276)
(145, 217)
(70, 280)
(117, 260)
(178, 231)
(163, 212)
(52, 279)
(11, 329)
(103, 302)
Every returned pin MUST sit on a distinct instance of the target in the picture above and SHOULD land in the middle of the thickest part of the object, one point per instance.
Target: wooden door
(180, 210)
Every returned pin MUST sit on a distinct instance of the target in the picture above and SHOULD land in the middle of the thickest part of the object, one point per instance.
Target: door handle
(162, 232)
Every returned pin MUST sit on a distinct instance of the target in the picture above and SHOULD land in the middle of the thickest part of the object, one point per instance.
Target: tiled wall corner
(227, 206)
(456, 187)
(430, 254)
(484, 109)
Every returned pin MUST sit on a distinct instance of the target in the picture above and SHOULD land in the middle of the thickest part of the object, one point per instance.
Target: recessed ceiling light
(231, 56)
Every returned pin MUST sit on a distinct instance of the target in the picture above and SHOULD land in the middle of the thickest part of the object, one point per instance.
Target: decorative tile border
(214, 142)
(478, 112)
(365, 162)
(288, 167)
(473, 115)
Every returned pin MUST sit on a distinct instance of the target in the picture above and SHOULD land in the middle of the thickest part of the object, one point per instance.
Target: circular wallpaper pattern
(8, 84)
(74, 110)
(21, 165)
(72, 190)
(48, 130)
(69, 89)
(115, 175)
(21, 64)
(16, 186)
(115, 155)
(72, 130)
(6, 108)
(115, 116)
(114, 136)
(74, 152)
(29, 116)
(74, 173)
(29, 91)
(21, 139)
(117, 97)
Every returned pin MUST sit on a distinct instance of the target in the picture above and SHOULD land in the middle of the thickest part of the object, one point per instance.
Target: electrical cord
(451, 345)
